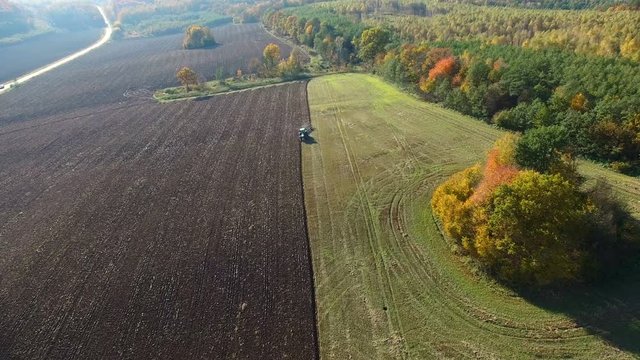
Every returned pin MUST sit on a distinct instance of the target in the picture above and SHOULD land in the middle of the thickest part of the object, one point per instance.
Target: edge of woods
(387, 283)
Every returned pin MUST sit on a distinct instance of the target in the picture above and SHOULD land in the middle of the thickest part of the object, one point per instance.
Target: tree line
(553, 4)
(594, 99)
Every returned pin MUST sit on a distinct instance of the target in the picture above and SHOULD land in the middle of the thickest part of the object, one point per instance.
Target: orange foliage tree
(500, 168)
(523, 226)
(443, 68)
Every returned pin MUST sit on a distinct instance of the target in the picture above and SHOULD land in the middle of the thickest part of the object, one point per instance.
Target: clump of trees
(197, 37)
(274, 65)
(271, 58)
(529, 223)
(332, 35)
(187, 77)
(292, 66)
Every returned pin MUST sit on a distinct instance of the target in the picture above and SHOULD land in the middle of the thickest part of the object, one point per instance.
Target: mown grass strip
(387, 282)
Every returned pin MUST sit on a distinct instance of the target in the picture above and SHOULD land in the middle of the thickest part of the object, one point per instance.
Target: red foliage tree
(495, 173)
(444, 67)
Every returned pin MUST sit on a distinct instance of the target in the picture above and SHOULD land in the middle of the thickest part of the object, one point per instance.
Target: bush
(197, 37)
(532, 228)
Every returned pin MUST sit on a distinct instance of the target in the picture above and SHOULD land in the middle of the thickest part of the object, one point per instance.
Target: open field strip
(387, 284)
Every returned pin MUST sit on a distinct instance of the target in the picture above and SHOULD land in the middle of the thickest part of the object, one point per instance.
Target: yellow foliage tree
(292, 66)
(187, 77)
(530, 241)
(579, 102)
(449, 203)
(271, 57)
(630, 49)
(524, 226)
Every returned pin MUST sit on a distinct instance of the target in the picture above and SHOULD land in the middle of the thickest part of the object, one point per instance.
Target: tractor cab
(303, 133)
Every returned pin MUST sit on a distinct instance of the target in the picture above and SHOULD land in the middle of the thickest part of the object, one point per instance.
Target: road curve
(107, 35)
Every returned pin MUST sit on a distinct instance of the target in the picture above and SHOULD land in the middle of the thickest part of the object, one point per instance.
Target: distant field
(387, 283)
(31, 54)
(162, 24)
(129, 70)
(157, 231)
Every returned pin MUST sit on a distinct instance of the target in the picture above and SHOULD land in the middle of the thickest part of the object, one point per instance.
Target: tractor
(303, 133)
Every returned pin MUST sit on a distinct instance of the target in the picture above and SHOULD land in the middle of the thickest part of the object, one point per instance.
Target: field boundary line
(306, 232)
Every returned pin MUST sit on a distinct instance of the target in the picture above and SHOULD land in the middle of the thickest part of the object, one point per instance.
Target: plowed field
(169, 231)
(122, 70)
(131, 229)
(31, 54)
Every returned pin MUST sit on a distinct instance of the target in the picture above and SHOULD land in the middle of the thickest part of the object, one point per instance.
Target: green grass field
(387, 282)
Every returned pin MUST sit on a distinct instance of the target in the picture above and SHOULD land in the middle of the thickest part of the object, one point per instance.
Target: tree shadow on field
(609, 309)
(208, 47)
(202, 98)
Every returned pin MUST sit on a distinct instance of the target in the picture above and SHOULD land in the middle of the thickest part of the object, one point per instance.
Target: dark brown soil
(120, 70)
(140, 230)
(19, 59)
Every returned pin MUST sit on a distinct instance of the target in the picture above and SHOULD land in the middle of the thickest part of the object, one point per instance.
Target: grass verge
(216, 87)
(387, 282)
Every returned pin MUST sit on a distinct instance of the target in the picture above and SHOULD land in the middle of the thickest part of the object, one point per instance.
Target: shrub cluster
(530, 227)
(197, 37)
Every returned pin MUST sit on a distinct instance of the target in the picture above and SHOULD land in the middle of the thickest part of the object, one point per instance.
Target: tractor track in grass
(368, 180)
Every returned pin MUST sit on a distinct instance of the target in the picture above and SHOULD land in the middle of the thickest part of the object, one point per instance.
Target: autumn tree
(532, 228)
(499, 169)
(187, 77)
(579, 102)
(292, 66)
(443, 68)
(533, 242)
(450, 203)
(197, 36)
(372, 43)
(271, 57)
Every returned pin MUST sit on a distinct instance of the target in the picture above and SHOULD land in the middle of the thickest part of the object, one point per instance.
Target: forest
(161, 17)
(504, 66)
(553, 4)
